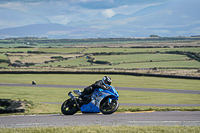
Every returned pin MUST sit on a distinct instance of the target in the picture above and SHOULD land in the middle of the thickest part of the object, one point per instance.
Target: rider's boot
(82, 96)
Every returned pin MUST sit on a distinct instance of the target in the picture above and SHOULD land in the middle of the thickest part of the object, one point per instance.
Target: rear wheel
(69, 107)
(109, 108)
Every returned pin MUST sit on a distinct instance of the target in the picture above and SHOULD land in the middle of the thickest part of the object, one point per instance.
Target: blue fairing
(111, 91)
(97, 96)
(90, 108)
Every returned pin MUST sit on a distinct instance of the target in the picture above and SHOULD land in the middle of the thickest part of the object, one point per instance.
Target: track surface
(140, 119)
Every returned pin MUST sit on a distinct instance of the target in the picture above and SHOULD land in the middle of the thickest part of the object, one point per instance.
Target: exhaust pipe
(71, 95)
(74, 98)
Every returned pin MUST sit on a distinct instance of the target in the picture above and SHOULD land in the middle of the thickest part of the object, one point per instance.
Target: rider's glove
(104, 87)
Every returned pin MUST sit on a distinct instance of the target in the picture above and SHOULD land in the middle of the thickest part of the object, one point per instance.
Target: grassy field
(61, 50)
(97, 50)
(4, 65)
(2, 56)
(67, 63)
(164, 64)
(133, 50)
(131, 61)
(147, 58)
(36, 58)
(88, 79)
(140, 58)
(46, 50)
(8, 50)
(106, 129)
(41, 95)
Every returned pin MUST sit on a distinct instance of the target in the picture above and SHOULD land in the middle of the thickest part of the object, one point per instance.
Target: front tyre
(109, 108)
(69, 107)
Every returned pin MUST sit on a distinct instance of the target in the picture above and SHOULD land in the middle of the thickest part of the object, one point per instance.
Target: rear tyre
(109, 108)
(69, 107)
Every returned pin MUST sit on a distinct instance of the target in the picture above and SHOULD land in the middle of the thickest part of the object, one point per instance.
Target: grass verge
(155, 108)
(105, 129)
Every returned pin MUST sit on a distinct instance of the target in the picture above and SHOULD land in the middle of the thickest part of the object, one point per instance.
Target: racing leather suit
(96, 85)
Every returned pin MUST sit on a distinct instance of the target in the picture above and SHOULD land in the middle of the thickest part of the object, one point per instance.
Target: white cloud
(108, 13)
(185, 16)
(14, 6)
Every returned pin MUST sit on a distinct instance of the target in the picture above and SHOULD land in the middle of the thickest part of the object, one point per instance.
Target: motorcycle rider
(103, 84)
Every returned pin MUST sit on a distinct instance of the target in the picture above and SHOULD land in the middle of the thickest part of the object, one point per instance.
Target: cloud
(108, 13)
(107, 4)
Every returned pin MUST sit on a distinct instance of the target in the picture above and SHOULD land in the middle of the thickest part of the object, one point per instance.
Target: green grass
(36, 58)
(140, 57)
(173, 64)
(35, 94)
(123, 108)
(16, 49)
(41, 95)
(71, 62)
(61, 50)
(13, 45)
(105, 129)
(2, 56)
(157, 98)
(131, 50)
(88, 79)
(5, 65)
(97, 50)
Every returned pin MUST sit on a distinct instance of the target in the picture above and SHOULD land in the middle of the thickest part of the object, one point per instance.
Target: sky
(65, 11)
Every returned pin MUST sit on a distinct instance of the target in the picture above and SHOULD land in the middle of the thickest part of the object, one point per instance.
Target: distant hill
(56, 31)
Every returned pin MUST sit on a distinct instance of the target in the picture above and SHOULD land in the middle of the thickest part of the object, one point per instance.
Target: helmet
(107, 80)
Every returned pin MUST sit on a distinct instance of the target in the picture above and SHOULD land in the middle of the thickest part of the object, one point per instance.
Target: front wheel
(69, 107)
(107, 107)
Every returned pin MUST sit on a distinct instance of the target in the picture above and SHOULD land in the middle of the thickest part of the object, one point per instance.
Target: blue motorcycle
(105, 101)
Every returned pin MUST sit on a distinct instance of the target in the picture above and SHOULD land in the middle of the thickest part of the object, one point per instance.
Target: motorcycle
(105, 101)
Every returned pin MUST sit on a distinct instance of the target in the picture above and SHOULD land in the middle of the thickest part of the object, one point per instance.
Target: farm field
(37, 58)
(140, 58)
(44, 50)
(69, 63)
(163, 64)
(120, 58)
(96, 50)
(138, 50)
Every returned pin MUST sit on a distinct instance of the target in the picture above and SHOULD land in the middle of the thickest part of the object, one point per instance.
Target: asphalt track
(118, 88)
(167, 118)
